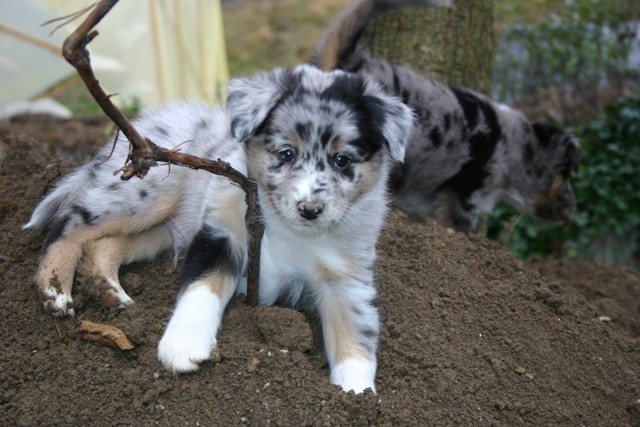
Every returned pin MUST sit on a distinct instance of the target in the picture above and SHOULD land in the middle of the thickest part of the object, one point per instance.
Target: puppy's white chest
(296, 261)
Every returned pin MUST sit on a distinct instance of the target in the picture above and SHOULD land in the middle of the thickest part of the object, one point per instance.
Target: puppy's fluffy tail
(339, 43)
(57, 202)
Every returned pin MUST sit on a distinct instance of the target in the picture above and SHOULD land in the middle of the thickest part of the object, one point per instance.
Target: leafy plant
(572, 62)
(608, 185)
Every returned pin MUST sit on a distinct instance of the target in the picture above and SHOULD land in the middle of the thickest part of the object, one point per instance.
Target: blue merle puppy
(320, 147)
(468, 153)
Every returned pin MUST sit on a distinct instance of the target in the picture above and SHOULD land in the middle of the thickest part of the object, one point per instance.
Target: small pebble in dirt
(252, 364)
(499, 405)
(520, 370)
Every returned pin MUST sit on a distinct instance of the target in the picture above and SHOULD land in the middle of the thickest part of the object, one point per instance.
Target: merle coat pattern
(467, 152)
(320, 147)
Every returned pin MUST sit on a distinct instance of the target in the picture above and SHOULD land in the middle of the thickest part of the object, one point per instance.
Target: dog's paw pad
(190, 337)
(354, 374)
(111, 293)
(184, 352)
(57, 303)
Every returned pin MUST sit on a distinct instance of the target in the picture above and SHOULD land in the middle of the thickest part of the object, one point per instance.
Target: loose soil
(472, 336)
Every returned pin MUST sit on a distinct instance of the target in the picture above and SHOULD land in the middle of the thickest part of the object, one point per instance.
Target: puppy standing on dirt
(319, 145)
(467, 152)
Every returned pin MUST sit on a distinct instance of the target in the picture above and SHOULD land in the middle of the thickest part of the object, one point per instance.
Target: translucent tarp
(152, 50)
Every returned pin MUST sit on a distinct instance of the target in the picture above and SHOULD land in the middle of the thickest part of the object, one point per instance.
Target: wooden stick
(21, 35)
(145, 154)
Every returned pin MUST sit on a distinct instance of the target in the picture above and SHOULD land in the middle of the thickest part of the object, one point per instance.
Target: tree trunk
(453, 44)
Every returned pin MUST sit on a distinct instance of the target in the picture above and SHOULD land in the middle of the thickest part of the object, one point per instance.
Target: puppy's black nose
(310, 210)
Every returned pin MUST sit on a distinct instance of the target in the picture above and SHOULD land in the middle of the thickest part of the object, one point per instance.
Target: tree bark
(453, 44)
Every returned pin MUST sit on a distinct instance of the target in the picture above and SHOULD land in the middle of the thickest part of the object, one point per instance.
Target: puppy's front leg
(210, 275)
(213, 266)
(451, 212)
(351, 328)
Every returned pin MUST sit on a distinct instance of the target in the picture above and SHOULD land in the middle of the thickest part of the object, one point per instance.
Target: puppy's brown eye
(286, 155)
(342, 161)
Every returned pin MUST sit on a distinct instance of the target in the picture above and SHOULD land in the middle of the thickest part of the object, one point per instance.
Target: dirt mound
(613, 291)
(472, 336)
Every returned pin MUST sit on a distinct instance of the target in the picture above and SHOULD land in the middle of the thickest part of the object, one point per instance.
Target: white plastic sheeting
(152, 50)
(25, 68)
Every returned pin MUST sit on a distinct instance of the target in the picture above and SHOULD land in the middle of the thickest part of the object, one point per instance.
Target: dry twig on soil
(145, 154)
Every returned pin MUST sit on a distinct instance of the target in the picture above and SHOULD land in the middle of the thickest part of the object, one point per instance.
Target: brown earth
(472, 336)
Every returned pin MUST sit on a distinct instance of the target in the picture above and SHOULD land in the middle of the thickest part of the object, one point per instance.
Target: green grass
(524, 12)
(267, 34)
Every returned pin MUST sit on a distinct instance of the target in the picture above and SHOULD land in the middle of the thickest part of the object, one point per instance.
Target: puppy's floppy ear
(396, 120)
(251, 100)
(567, 146)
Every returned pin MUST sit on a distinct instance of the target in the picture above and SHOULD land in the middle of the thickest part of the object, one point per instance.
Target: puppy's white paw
(111, 293)
(190, 337)
(354, 374)
(181, 350)
(57, 303)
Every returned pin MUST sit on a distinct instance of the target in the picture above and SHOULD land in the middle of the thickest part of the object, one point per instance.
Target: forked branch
(145, 154)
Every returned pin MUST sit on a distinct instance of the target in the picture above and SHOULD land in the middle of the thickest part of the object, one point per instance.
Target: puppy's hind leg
(104, 257)
(55, 276)
(57, 267)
